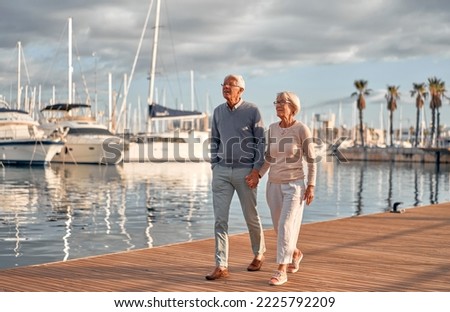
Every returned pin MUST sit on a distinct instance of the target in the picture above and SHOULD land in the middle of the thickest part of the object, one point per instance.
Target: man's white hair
(239, 79)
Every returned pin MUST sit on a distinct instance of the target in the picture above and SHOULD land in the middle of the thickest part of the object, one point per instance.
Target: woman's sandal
(295, 265)
(278, 278)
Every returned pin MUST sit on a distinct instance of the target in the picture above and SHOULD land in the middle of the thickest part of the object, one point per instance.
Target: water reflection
(68, 233)
(434, 187)
(416, 188)
(175, 194)
(362, 187)
(359, 192)
(389, 197)
(70, 211)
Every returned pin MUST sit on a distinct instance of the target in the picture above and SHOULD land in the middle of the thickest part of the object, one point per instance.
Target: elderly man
(237, 154)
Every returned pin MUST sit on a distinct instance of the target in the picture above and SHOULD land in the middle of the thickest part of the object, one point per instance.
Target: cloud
(258, 37)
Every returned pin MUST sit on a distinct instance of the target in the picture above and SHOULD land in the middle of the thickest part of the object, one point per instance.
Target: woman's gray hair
(293, 99)
(239, 80)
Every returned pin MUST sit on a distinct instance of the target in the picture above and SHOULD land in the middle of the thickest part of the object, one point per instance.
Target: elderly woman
(289, 186)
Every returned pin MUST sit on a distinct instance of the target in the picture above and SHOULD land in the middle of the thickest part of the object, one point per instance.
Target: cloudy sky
(314, 48)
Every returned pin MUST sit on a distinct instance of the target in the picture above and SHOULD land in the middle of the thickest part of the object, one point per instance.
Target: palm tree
(361, 86)
(437, 89)
(420, 91)
(392, 96)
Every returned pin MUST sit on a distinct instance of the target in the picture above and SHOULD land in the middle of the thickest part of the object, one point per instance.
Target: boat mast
(192, 90)
(19, 90)
(110, 104)
(152, 69)
(69, 83)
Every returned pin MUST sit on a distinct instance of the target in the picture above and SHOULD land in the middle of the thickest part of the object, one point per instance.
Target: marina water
(66, 211)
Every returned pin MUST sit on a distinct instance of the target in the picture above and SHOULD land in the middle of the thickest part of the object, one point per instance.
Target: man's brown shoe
(255, 265)
(218, 273)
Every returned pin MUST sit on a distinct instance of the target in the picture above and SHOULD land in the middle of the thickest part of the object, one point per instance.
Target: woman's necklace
(284, 130)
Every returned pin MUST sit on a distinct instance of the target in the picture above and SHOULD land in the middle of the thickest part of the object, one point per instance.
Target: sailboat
(172, 134)
(86, 141)
(179, 141)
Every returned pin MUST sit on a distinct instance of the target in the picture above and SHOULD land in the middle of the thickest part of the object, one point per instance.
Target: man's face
(231, 91)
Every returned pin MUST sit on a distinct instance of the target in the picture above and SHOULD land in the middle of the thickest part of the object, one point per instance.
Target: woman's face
(283, 107)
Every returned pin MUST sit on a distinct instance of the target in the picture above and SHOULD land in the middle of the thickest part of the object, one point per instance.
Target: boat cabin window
(144, 139)
(93, 131)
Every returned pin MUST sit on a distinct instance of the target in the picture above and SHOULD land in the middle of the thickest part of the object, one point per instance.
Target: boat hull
(91, 150)
(29, 152)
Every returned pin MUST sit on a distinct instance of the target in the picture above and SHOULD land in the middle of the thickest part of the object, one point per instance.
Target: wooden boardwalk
(381, 252)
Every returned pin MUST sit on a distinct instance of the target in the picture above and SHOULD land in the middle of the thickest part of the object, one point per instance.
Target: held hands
(252, 179)
(309, 194)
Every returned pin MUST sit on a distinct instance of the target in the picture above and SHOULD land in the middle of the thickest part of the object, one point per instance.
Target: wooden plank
(380, 252)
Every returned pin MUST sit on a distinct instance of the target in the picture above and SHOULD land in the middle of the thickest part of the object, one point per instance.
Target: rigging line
(57, 54)
(178, 96)
(139, 46)
(25, 66)
(167, 81)
(122, 109)
(141, 39)
(83, 77)
(12, 62)
(7, 71)
(173, 49)
(127, 87)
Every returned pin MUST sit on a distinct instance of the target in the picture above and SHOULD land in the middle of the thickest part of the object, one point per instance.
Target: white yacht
(21, 140)
(86, 141)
